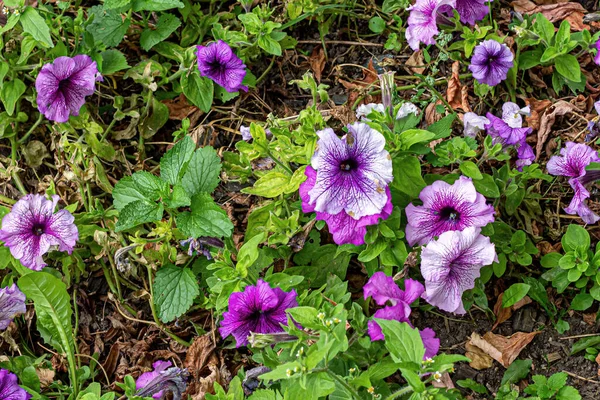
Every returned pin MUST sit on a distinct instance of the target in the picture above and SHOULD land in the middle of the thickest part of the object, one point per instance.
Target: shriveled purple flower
(573, 159)
(471, 11)
(473, 124)
(490, 62)
(218, 62)
(508, 131)
(384, 289)
(422, 21)
(199, 246)
(258, 309)
(63, 85)
(593, 125)
(32, 228)
(451, 264)
(9, 387)
(12, 302)
(162, 380)
(388, 87)
(446, 208)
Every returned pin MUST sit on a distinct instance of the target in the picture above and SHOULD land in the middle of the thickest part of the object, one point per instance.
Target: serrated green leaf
(36, 26)
(174, 291)
(202, 173)
(174, 163)
(151, 186)
(110, 4)
(568, 393)
(138, 212)
(125, 192)
(156, 5)
(205, 219)
(198, 90)
(113, 61)
(108, 27)
(166, 25)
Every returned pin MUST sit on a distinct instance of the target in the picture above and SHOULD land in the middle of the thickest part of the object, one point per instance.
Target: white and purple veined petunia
(573, 159)
(32, 228)
(12, 303)
(473, 124)
(451, 264)
(446, 208)
(422, 21)
(405, 110)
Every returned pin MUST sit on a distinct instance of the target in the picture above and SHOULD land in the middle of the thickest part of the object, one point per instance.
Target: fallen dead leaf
(479, 359)
(317, 62)
(456, 95)
(553, 12)
(431, 115)
(416, 63)
(561, 107)
(590, 319)
(179, 108)
(198, 354)
(501, 348)
(545, 247)
(445, 382)
(46, 376)
(537, 109)
(503, 314)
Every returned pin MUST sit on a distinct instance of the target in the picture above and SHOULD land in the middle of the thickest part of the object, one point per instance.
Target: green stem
(342, 382)
(15, 174)
(7, 200)
(30, 131)
(264, 74)
(399, 393)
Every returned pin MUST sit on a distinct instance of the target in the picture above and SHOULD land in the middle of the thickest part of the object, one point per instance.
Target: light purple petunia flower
(63, 85)
(12, 302)
(422, 21)
(473, 124)
(597, 56)
(490, 62)
(9, 387)
(163, 379)
(258, 309)
(573, 159)
(245, 131)
(218, 62)
(446, 208)
(471, 11)
(451, 264)
(32, 228)
(406, 109)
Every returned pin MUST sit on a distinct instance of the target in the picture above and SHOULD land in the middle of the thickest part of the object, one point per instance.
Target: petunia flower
(383, 289)
(9, 387)
(12, 302)
(593, 125)
(446, 208)
(365, 109)
(422, 21)
(218, 62)
(473, 124)
(63, 85)
(32, 228)
(573, 159)
(451, 264)
(258, 309)
(490, 62)
(512, 114)
(597, 56)
(471, 11)
(406, 109)
(162, 380)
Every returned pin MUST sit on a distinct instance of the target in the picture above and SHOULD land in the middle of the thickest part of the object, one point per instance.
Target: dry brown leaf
(503, 349)
(575, 19)
(445, 382)
(46, 376)
(198, 354)
(553, 12)
(547, 121)
(110, 365)
(537, 109)
(416, 63)
(456, 95)
(179, 108)
(598, 362)
(502, 314)
(431, 115)
(479, 359)
(590, 319)
(317, 62)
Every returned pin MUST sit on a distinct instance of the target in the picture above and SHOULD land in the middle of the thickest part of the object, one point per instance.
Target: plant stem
(264, 74)
(399, 393)
(30, 131)
(14, 173)
(7, 200)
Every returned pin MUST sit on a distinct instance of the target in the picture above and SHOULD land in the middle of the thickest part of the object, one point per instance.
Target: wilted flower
(12, 302)
(63, 85)
(573, 159)
(451, 264)
(490, 62)
(388, 86)
(258, 309)
(446, 208)
(10, 389)
(162, 380)
(593, 125)
(365, 109)
(473, 124)
(422, 21)
(471, 11)
(245, 131)
(32, 227)
(406, 109)
(218, 62)
(198, 246)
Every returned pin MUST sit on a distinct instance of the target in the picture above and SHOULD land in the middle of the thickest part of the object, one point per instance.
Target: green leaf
(582, 302)
(549, 54)
(138, 212)
(108, 27)
(202, 173)
(36, 26)
(407, 175)
(205, 219)
(544, 28)
(151, 186)
(156, 5)
(514, 293)
(551, 260)
(414, 136)
(568, 66)
(113, 61)
(174, 163)
(584, 343)
(157, 117)
(125, 192)
(576, 237)
(389, 6)
(568, 393)
(413, 379)
(471, 384)
(166, 25)
(470, 169)
(174, 291)
(516, 371)
(403, 342)
(110, 4)
(198, 90)
(556, 381)
(487, 187)
(248, 254)
(11, 93)
(530, 59)
(270, 185)
(377, 24)
(270, 45)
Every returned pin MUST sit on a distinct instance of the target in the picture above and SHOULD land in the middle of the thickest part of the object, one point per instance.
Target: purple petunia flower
(63, 85)
(597, 56)
(573, 159)
(258, 309)
(422, 21)
(473, 124)
(32, 227)
(451, 264)
(471, 11)
(446, 208)
(490, 62)
(9, 387)
(12, 302)
(218, 62)
(163, 379)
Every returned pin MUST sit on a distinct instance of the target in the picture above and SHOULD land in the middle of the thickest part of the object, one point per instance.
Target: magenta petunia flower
(163, 379)
(12, 302)
(63, 85)
(218, 62)
(422, 21)
(471, 11)
(446, 208)
(473, 124)
(32, 228)
(392, 313)
(258, 309)
(597, 56)
(9, 387)
(383, 289)
(451, 264)
(573, 159)
(490, 62)
(508, 131)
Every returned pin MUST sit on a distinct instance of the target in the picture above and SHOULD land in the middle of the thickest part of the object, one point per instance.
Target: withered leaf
(501, 348)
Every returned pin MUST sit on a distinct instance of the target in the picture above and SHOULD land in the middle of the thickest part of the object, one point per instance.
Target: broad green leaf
(487, 187)
(248, 254)
(174, 163)
(403, 342)
(205, 219)
(156, 5)
(582, 302)
(544, 28)
(413, 379)
(414, 136)
(158, 115)
(36, 26)
(514, 293)
(151, 186)
(270, 45)
(269, 185)
(198, 90)
(125, 192)
(568, 393)
(470, 169)
(175, 289)
(138, 212)
(516, 371)
(407, 175)
(568, 66)
(166, 25)
(11, 93)
(202, 173)
(113, 61)
(110, 4)
(108, 27)
(576, 237)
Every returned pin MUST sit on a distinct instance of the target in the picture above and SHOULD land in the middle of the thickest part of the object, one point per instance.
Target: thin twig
(581, 377)
(344, 42)
(579, 336)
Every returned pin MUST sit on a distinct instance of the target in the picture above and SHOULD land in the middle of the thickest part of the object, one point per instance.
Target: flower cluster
(573, 159)
(383, 290)
(9, 387)
(162, 380)
(12, 302)
(347, 182)
(258, 309)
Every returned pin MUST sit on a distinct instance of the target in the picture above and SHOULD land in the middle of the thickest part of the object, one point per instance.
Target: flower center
(63, 85)
(449, 213)
(348, 165)
(38, 229)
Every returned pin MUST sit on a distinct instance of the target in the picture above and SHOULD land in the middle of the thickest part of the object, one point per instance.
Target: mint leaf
(179, 198)
(125, 192)
(205, 219)
(202, 173)
(36, 26)
(167, 24)
(11, 93)
(403, 342)
(156, 5)
(108, 27)
(110, 4)
(174, 291)
(138, 212)
(113, 61)
(173, 164)
(198, 90)
(152, 187)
